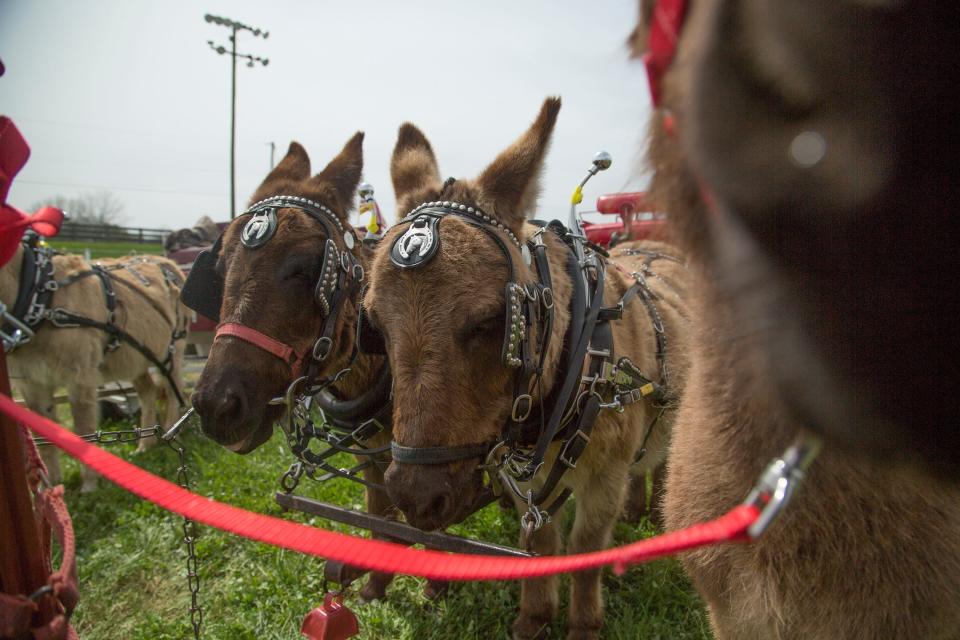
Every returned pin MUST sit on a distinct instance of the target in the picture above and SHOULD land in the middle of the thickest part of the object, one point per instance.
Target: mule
(272, 288)
(81, 358)
(866, 549)
(443, 327)
(821, 137)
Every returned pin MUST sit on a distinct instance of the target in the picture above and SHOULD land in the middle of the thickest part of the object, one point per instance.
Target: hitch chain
(189, 529)
(168, 438)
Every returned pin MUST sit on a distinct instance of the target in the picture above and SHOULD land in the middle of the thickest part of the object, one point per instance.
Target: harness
(344, 424)
(35, 296)
(588, 379)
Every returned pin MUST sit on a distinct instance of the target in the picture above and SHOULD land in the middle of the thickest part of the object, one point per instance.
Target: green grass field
(106, 249)
(132, 567)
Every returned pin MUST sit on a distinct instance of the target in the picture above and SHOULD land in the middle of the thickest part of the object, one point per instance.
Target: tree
(92, 207)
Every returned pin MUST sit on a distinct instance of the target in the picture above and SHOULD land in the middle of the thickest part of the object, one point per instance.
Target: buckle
(59, 317)
(321, 348)
(366, 430)
(546, 297)
(779, 482)
(515, 414)
(573, 449)
(611, 313)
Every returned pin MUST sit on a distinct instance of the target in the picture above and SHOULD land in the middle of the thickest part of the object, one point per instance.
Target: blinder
(327, 284)
(203, 290)
(369, 339)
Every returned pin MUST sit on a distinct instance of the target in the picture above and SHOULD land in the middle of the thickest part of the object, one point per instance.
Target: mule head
(271, 288)
(820, 134)
(443, 321)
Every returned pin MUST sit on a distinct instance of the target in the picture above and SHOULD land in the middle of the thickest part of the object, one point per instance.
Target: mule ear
(344, 172)
(294, 166)
(413, 168)
(512, 183)
(638, 39)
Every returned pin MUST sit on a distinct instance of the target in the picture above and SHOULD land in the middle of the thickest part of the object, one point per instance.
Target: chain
(112, 437)
(189, 540)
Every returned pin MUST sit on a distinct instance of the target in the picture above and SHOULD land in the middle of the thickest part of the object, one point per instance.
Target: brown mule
(865, 550)
(443, 324)
(271, 288)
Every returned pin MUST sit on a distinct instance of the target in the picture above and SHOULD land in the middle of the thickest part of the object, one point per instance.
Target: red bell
(330, 621)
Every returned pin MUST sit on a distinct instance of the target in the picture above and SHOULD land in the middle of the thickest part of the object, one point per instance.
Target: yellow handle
(577, 197)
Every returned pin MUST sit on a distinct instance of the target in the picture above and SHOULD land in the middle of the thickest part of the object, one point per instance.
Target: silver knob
(602, 160)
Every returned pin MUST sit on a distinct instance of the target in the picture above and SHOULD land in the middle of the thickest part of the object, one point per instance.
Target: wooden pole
(23, 568)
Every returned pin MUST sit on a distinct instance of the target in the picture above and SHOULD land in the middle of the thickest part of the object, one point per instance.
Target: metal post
(234, 27)
(233, 123)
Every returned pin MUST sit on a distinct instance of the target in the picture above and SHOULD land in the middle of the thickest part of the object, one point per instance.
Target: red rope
(371, 554)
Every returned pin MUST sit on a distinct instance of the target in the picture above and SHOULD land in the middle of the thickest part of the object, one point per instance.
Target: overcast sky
(128, 96)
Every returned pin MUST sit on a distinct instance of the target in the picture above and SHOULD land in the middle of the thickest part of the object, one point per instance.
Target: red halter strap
(668, 18)
(288, 354)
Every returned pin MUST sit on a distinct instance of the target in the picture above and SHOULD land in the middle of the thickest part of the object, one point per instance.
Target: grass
(132, 567)
(106, 249)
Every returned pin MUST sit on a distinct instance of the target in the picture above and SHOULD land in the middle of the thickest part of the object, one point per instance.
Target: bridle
(528, 319)
(341, 274)
(586, 373)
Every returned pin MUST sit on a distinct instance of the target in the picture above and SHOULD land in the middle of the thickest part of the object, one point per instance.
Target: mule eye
(484, 329)
(299, 271)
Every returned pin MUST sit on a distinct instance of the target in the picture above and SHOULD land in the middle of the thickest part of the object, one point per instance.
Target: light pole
(273, 148)
(220, 49)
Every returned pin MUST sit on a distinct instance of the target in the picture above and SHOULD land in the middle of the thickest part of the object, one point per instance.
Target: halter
(340, 274)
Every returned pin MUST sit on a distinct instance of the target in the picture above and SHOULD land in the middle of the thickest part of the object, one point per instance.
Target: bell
(330, 621)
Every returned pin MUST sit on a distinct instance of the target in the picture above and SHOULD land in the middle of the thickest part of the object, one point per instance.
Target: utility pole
(235, 27)
(273, 148)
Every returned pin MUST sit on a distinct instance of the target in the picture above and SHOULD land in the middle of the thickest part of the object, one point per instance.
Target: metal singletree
(251, 59)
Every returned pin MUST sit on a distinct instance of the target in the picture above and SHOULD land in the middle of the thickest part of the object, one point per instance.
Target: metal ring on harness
(60, 317)
(516, 413)
(546, 297)
(322, 348)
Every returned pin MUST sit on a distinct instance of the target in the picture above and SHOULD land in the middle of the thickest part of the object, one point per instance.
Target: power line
(109, 188)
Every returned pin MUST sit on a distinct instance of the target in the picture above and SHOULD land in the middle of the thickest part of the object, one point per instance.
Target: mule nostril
(435, 509)
(230, 409)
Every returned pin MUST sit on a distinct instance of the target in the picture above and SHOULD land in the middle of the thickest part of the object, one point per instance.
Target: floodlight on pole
(235, 27)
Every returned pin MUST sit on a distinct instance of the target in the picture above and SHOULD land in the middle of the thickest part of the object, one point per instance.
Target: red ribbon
(665, 29)
(14, 153)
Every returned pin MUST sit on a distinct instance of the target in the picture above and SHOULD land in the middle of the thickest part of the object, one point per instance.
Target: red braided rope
(371, 554)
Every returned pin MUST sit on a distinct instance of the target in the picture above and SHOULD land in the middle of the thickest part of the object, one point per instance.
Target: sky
(128, 96)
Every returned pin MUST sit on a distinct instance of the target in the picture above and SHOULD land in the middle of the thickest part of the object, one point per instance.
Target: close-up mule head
(439, 295)
(276, 277)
